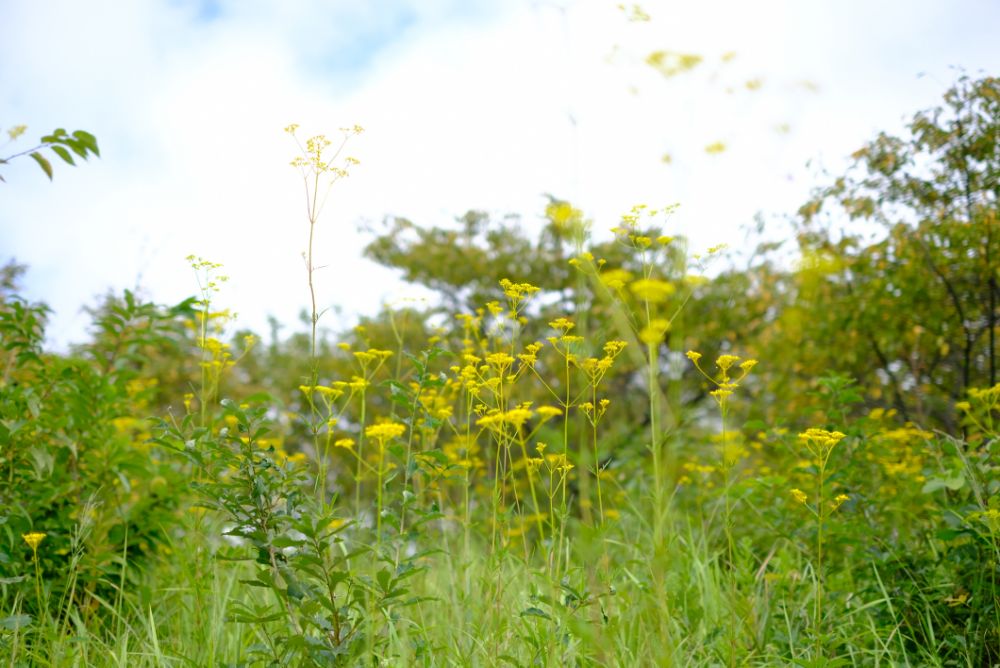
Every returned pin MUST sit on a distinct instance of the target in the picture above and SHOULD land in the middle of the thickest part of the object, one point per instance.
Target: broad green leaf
(953, 483)
(43, 163)
(14, 622)
(89, 140)
(535, 612)
(63, 153)
(76, 146)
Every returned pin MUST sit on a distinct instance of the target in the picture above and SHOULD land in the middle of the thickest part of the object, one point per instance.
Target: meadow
(588, 453)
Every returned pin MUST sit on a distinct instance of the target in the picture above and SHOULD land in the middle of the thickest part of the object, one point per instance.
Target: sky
(466, 104)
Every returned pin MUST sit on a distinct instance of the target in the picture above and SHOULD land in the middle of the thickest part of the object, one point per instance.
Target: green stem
(727, 473)
(654, 438)
(361, 456)
(597, 457)
(820, 514)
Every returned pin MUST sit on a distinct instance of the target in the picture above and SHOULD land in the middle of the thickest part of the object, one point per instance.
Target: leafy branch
(63, 144)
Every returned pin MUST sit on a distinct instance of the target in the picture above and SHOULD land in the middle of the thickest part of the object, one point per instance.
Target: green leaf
(384, 580)
(88, 140)
(77, 147)
(535, 612)
(43, 163)
(63, 153)
(15, 622)
(953, 483)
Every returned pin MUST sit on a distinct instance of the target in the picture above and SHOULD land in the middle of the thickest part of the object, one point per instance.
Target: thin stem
(597, 457)
(820, 514)
(361, 444)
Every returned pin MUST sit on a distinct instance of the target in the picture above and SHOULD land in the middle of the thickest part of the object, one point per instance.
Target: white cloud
(462, 111)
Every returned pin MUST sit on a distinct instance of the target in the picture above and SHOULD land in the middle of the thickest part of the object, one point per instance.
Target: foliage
(918, 314)
(63, 144)
(75, 462)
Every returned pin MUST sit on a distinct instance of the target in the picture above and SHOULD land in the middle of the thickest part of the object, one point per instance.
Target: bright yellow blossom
(652, 290)
(33, 539)
(385, 431)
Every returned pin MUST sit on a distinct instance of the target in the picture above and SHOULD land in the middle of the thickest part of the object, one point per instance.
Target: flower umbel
(33, 539)
(385, 431)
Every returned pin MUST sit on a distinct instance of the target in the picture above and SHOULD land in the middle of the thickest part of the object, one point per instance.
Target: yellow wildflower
(517, 291)
(616, 278)
(724, 362)
(499, 361)
(517, 416)
(612, 348)
(561, 324)
(653, 333)
(821, 438)
(33, 539)
(385, 431)
(652, 290)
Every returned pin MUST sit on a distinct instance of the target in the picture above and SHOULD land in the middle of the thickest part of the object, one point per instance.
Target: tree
(914, 311)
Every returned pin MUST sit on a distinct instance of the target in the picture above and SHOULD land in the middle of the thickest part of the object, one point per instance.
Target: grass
(628, 602)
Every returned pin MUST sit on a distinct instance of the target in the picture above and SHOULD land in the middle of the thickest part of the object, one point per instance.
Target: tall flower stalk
(725, 384)
(320, 169)
(33, 540)
(820, 444)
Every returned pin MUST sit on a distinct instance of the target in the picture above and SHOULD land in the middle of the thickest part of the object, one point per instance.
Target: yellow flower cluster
(654, 332)
(530, 354)
(820, 441)
(500, 361)
(616, 278)
(558, 463)
(33, 539)
(652, 290)
(839, 500)
(495, 419)
(561, 325)
(517, 291)
(367, 357)
(595, 413)
(385, 431)
(725, 384)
